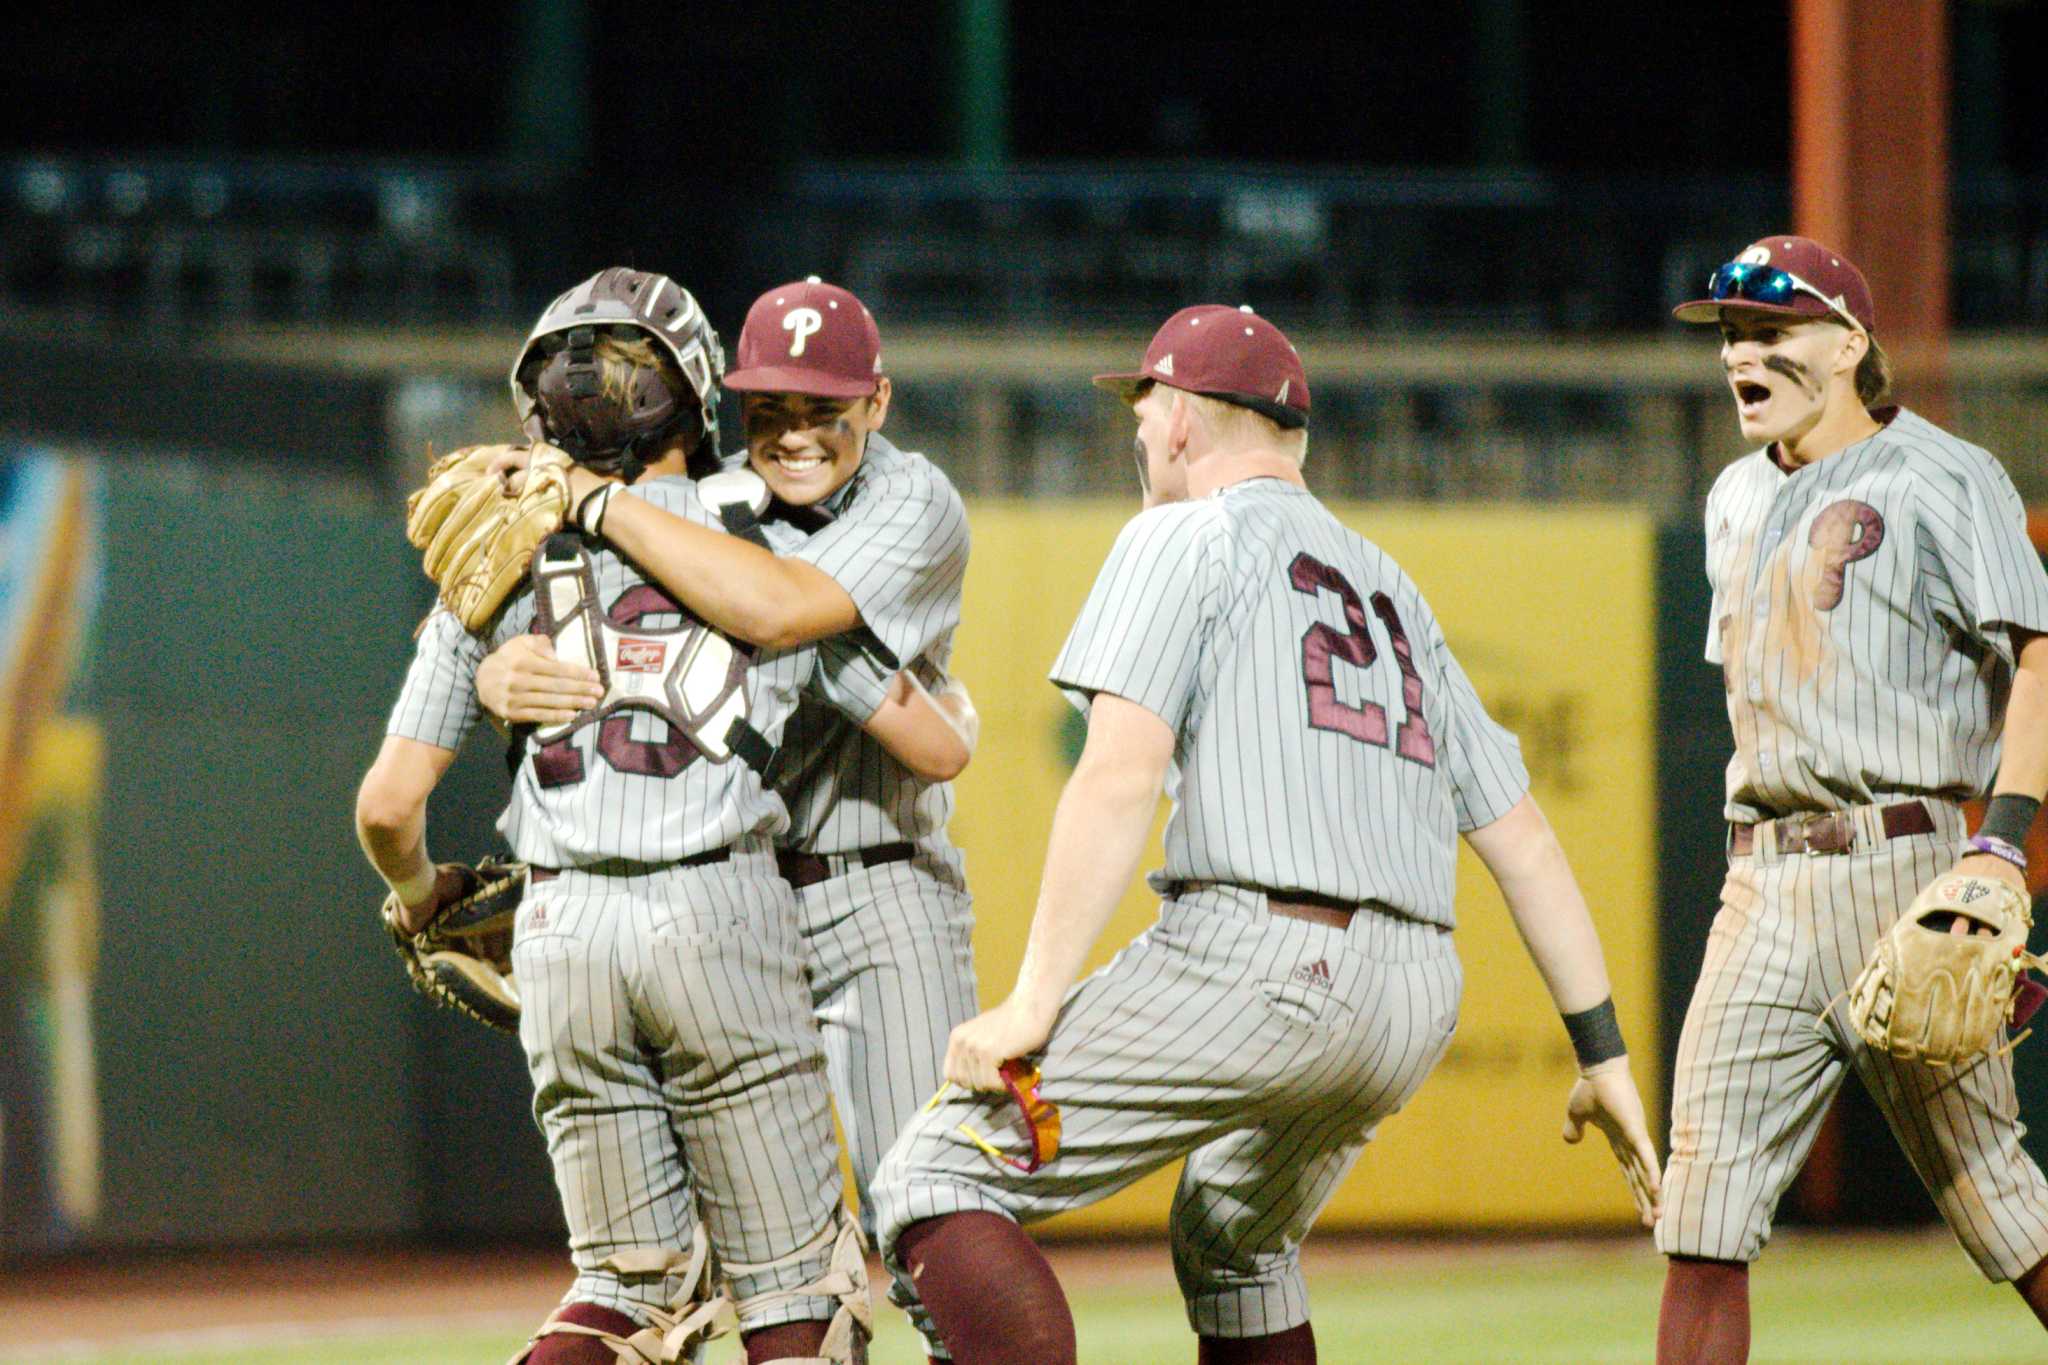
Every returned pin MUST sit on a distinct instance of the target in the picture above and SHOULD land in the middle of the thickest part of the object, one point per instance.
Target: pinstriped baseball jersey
(898, 545)
(1292, 656)
(1325, 742)
(1855, 606)
(1859, 606)
(626, 787)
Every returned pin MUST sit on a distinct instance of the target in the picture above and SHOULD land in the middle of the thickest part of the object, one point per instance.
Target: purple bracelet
(2000, 848)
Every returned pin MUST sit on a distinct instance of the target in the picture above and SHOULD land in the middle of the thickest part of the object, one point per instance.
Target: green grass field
(1823, 1300)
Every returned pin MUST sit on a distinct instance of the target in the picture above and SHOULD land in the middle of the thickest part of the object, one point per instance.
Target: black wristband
(2009, 817)
(1596, 1034)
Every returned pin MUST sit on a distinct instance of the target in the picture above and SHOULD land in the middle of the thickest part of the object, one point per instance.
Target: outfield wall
(206, 1039)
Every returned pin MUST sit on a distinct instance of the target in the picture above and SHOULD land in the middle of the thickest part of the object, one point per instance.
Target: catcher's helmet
(555, 378)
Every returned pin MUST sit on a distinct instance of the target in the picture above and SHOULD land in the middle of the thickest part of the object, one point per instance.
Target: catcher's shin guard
(697, 1314)
(846, 1279)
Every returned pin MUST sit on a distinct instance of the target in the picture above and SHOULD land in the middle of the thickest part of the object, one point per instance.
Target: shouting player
(1878, 615)
(666, 1021)
(1324, 750)
(881, 893)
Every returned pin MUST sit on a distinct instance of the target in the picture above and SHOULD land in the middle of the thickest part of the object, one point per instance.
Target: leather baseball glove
(478, 539)
(1939, 987)
(462, 958)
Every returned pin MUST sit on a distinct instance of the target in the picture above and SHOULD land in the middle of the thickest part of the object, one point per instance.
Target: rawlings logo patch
(640, 656)
(1963, 890)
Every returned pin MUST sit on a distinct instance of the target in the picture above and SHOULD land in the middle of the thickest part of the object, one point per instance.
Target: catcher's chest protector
(691, 676)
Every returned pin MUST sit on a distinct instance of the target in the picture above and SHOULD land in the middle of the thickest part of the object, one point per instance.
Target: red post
(1870, 167)
(1870, 178)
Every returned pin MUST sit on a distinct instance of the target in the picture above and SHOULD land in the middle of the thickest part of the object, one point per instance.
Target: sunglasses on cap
(1751, 282)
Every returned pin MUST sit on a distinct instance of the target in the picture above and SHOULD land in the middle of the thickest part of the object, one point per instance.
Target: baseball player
(881, 892)
(1878, 615)
(1288, 685)
(665, 1017)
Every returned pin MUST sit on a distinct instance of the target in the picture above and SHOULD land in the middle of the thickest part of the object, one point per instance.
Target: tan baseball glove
(1939, 987)
(462, 957)
(479, 540)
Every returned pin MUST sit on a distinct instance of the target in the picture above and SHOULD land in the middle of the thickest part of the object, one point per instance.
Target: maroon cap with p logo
(1227, 353)
(1793, 276)
(808, 337)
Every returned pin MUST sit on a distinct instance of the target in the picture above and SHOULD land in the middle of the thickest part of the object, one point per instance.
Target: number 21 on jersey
(1324, 643)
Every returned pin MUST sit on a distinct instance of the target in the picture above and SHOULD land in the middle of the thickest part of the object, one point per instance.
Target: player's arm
(1522, 854)
(1526, 861)
(1099, 831)
(931, 735)
(2022, 768)
(748, 592)
(391, 822)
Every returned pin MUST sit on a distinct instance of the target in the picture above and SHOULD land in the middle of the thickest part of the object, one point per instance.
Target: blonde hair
(1873, 374)
(619, 356)
(1232, 424)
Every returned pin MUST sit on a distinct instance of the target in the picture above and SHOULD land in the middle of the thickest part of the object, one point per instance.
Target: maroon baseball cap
(1824, 283)
(808, 337)
(1227, 353)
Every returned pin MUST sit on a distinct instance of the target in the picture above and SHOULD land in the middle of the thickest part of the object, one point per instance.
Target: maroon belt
(628, 867)
(808, 869)
(1306, 905)
(1830, 831)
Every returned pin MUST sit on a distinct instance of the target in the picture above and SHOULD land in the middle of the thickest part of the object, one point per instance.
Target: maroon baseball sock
(989, 1290)
(1295, 1346)
(569, 1348)
(1705, 1316)
(786, 1340)
(2033, 1287)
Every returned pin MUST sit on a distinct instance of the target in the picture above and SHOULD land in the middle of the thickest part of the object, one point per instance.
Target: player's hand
(449, 885)
(508, 467)
(1606, 1097)
(1990, 865)
(525, 683)
(982, 1044)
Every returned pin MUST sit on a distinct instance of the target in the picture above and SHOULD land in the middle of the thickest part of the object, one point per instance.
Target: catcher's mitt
(478, 539)
(1939, 987)
(463, 957)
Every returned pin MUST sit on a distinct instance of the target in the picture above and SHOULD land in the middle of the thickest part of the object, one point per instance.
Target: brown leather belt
(628, 867)
(808, 869)
(1830, 831)
(1286, 904)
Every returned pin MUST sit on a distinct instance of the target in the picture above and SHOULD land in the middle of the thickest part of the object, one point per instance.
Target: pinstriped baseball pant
(677, 1072)
(1763, 1052)
(891, 956)
(1264, 1050)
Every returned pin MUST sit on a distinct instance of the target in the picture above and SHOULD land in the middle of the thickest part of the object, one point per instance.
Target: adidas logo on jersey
(1316, 973)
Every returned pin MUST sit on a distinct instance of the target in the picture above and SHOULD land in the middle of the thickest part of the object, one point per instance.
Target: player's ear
(1855, 345)
(1180, 421)
(878, 404)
